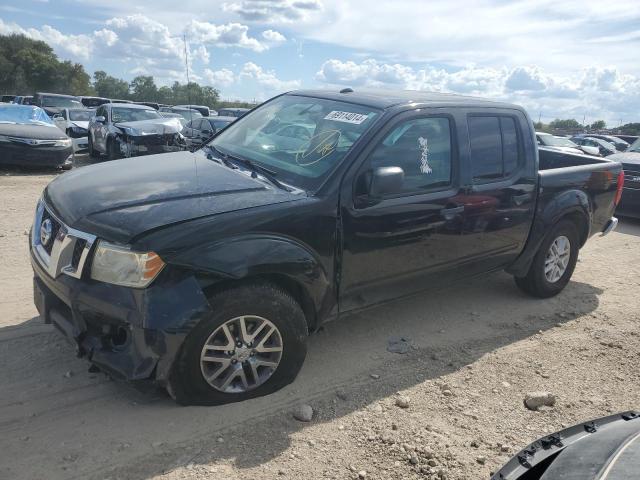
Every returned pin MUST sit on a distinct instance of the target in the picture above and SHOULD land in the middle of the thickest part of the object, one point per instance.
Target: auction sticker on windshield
(347, 117)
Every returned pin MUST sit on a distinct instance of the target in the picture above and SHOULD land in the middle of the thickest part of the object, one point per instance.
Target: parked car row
(122, 128)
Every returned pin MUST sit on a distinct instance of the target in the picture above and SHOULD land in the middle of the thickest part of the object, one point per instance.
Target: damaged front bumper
(132, 146)
(132, 334)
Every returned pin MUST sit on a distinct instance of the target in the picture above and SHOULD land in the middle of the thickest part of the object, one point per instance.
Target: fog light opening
(119, 338)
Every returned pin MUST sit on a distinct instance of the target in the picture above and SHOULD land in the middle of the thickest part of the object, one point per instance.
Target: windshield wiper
(222, 157)
(265, 172)
(231, 161)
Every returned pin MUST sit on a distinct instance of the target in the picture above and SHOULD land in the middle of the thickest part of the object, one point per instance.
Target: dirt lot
(476, 349)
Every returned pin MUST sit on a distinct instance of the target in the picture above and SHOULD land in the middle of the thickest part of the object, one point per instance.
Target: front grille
(55, 228)
(65, 251)
(632, 179)
(77, 252)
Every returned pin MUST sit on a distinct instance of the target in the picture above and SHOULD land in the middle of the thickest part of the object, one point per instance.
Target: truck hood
(160, 126)
(626, 158)
(123, 199)
(81, 124)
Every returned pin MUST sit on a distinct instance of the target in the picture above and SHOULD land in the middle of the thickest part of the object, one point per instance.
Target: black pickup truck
(206, 271)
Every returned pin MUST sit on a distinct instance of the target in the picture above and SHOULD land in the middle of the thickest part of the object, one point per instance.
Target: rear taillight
(616, 201)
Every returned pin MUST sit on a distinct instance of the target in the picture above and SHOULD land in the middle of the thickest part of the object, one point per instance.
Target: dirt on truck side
(450, 407)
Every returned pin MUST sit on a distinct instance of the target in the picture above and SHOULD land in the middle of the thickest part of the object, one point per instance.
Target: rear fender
(571, 204)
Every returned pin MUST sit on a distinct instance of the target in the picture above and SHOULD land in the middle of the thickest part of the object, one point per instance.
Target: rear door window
(494, 147)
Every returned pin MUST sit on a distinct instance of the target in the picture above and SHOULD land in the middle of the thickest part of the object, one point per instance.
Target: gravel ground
(452, 407)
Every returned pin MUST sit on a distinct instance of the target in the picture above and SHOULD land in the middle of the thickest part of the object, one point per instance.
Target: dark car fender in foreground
(606, 448)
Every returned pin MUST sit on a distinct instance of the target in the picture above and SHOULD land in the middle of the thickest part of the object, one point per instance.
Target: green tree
(110, 87)
(28, 66)
(143, 89)
(568, 124)
(598, 125)
(630, 129)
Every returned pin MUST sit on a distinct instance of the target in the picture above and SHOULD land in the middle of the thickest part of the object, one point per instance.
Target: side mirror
(386, 180)
(100, 119)
(206, 132)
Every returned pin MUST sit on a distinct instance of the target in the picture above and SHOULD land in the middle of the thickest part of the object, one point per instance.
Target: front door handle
(449, 213)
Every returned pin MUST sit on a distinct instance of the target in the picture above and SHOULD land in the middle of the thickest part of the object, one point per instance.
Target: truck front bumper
(610, 227)
(132, 334)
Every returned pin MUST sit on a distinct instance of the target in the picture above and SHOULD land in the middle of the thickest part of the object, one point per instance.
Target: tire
(187, 383)
(112, 153)
(537, 283)
(92, 152)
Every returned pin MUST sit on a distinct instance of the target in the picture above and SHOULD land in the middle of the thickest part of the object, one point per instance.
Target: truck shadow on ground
(149, 434)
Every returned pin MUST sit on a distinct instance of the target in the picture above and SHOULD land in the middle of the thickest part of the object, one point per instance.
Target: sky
(559, 59)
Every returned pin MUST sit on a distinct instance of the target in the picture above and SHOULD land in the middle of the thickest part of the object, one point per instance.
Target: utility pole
(186, 64)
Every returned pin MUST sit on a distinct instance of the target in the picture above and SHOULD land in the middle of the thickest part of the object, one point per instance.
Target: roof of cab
(383, 99)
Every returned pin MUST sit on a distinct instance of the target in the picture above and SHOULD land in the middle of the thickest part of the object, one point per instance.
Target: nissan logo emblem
(46, 229)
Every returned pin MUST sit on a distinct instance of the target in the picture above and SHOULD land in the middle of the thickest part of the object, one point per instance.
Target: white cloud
(273, 37)
(267, 79)
(594, 92)
(274, 11)
(78, 46)
(228, 35)
(219, 78)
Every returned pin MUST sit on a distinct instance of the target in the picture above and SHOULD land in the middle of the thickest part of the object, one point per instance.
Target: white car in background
(75, 123)
(561, 144)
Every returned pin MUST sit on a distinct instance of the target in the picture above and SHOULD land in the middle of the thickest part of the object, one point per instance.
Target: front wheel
(252, 344)
(93, 153)
(554, 263)
(113, 152)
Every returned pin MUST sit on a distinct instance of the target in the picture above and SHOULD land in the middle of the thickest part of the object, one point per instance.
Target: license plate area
(40, 300)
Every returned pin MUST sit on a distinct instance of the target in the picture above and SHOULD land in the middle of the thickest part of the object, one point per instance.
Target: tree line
(571, 124)
(28, 66)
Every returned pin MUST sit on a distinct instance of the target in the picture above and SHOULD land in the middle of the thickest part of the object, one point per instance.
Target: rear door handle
(449, 213)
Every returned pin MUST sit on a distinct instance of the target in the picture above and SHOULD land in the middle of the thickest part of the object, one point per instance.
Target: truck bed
(593, 179)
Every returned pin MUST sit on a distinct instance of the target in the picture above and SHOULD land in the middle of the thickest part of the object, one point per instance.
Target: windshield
(61, 102)
(188, 113)
(563, 142)
(124, 114)
(80, 115)
(218, 124)
(635, 146)
(551, 141)
(24, 115)
(605, 144)
(301, 139)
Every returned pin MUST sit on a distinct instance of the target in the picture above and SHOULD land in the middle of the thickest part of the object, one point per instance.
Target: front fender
(569, 203)
(255, 255)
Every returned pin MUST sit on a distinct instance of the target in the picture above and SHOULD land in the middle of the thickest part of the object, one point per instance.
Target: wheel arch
(571, 205)
(281, 261)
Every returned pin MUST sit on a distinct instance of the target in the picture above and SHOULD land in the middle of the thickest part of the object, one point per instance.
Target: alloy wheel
(241, 354)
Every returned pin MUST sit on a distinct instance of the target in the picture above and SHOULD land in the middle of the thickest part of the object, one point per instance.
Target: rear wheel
(253, 343)
(554, 263)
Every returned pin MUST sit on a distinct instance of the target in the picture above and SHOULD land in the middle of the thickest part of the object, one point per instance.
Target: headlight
(119, 265)
(77, 132)
(65, 142)
(133, 132)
